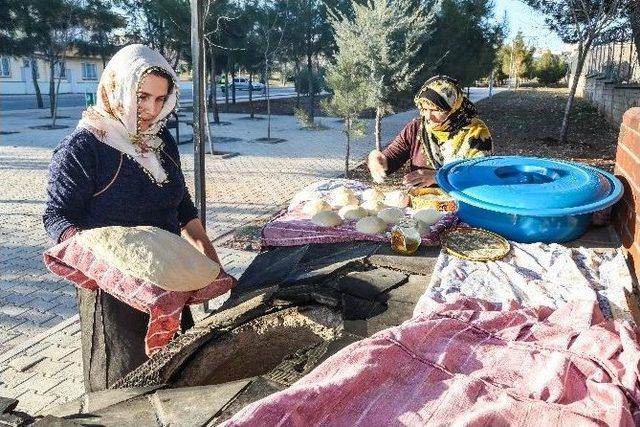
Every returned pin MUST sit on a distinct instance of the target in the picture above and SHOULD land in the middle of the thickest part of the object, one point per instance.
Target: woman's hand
(420, 178)
(195, 234)
(377, 164)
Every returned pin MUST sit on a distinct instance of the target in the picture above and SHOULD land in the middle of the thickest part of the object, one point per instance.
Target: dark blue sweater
(82, 166)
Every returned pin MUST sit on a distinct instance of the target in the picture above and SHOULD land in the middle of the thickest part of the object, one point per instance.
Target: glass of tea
(405, 238)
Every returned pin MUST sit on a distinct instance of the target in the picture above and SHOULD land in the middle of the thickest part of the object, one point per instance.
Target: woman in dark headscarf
(448, 129)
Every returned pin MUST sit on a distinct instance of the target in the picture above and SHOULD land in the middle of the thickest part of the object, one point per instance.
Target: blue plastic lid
(529, 185)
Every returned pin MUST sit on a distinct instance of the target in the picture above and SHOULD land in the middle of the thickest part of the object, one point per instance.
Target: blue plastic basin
(528, 199)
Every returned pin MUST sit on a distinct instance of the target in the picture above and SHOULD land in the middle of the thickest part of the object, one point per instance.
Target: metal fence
(616, 61)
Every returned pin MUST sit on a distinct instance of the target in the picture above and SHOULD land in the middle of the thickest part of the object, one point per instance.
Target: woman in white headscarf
(122, 167)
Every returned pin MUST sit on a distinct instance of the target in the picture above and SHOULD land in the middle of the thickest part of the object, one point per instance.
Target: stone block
(396, 313)
(369, 284)
(409, 292)
(7, 404)
(422, 262)
(194, 405)
(23, 363)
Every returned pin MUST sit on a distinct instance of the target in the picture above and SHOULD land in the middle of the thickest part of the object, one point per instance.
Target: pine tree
(349, 81)
(385, 37)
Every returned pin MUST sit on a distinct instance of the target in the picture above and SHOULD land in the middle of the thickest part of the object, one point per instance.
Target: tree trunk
(348, 153)
(268, 93)
(297, 84)
(311, 90)
(214, 88)
(251, 112)
(34, 78)
(212, 79)
(582, 56)
(378, 127)
(635, 26)
(52, 85)
(233, 84)
(54, 115)
(226, 90)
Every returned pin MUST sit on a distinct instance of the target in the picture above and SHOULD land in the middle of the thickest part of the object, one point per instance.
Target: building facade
(79, 75)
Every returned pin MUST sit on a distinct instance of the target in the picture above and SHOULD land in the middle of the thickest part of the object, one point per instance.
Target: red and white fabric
(470, 363)
(73, 262)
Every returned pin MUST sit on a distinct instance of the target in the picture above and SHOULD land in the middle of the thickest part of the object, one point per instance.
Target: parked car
(242, 83)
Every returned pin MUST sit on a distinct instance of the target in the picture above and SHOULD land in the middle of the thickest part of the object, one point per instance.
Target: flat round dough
(398, 199)
(427, 216)
(373, 194)
(326, 219)
(391, 215)
(312, 207)
(352, 212)
(151, 254)
(371, 225)
(373, 207)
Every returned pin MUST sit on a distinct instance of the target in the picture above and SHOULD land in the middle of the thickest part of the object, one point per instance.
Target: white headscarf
(114, 119)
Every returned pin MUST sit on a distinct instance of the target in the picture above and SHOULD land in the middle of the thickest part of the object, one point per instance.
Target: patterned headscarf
(115, 121)
(461, 135)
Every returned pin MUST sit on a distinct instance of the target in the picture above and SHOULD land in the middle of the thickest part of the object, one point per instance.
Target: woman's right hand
(377, 164)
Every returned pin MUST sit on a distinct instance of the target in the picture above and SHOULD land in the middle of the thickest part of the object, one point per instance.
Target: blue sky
(522, 18)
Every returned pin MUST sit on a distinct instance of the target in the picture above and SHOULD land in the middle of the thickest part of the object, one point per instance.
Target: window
(60, 70)
(5, 66)
(89, 71)
(27, 64)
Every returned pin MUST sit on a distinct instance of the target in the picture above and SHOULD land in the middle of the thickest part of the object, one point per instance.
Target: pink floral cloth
(472, 363)
(295, 228)
(75, 263)
(292, 227)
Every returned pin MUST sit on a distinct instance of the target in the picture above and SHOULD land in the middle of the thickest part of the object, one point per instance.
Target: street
(24, 102)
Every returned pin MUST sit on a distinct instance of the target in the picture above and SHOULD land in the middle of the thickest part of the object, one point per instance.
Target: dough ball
(427, 216)
(352, 212)
(371, 225)
(326, 219)
(398, 199)
(373, 194)
(423, 228)
(343, 198)
(312, 207)
(372, 207)
(391, 215)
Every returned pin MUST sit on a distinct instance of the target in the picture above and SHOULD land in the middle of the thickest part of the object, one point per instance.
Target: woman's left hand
(419, 178)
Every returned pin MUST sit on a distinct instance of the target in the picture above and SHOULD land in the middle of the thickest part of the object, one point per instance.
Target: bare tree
(270, 30)
(582, 22)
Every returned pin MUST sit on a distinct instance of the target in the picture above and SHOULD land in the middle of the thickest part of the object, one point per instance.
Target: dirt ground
(522, 122)
(527, 122)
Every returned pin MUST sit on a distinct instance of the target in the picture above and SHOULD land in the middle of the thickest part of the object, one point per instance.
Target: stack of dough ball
(427, 216)
(352, 212)
(371, 225)
(373, 194)
(397, 199)
(391, 215)
(312, 207)
(326, 219)
(342, 196)
(372, 206)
